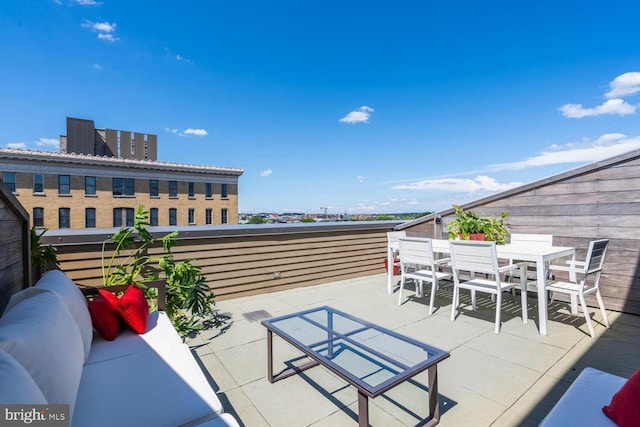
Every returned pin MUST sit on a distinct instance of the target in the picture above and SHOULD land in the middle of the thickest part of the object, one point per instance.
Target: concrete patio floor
(510, 379)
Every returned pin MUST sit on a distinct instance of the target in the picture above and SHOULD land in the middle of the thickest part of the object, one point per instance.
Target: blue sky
(360, 107)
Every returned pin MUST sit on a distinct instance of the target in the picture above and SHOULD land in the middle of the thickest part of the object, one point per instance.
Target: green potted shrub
(190, 301)
(470, 226)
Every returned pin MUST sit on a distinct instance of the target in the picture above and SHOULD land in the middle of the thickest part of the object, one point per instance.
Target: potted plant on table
(470, 226)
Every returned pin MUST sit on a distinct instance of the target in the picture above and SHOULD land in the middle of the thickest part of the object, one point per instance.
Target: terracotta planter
(473, 236)
(396, 268)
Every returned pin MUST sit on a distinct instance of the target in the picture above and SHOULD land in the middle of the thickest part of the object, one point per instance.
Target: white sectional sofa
(581, 405)
(50, 354)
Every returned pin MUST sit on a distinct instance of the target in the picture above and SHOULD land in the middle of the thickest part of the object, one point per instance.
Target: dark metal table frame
(365, 391)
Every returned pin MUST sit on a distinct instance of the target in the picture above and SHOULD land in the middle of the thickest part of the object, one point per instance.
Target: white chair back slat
(474, 256)
(416, 250)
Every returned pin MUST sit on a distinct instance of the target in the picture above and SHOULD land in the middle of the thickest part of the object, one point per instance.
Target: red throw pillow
(104, 316)
(133, 309)
(624, 409)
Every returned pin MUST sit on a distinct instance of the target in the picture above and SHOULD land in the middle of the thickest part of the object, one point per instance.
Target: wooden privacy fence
(247, 260)
(598, 201)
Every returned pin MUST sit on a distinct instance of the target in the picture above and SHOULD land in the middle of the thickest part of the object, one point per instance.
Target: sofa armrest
(91, 291)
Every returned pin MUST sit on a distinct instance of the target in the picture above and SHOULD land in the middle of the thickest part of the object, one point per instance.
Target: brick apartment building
(100, 177)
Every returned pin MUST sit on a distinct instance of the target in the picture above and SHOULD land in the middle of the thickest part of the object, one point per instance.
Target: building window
(9, 179)
(90, 217)
(173, 216)
(38, 183)
(123, 217)
(153, 217)
(223, 215)
(38, 217)
(192, 216)
(208, 216)
(153, 188)
(208, 190)
(224, 191)
(64, 218)
(123, 187)
(90, 185)
(64, 184)
(192, 190)
(173, 188)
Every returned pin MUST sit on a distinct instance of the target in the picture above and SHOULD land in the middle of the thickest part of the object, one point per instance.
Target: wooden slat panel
(14, 246)
(245, 265)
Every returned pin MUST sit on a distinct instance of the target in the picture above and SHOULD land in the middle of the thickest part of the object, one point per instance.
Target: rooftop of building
(90, 159)
(513, 378)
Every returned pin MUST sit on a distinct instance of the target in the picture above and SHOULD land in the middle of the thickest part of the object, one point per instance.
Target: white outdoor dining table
(540, 255)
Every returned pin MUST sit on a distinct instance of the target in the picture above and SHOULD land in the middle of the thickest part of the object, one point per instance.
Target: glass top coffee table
(369, 357)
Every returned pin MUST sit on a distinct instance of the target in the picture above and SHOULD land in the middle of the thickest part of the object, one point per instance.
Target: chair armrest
(91, 291)
(510, 267)
(571, 269)
(574, 263)
(442, 261)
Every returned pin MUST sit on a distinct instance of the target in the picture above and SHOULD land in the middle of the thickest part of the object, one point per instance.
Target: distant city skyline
(354, 107)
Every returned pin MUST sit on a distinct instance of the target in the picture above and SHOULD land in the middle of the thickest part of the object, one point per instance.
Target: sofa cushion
(134, 309)
(159, 333)
(581, 404)
(17, 384)
(61, 284)
(40, 333)
(151, 388)
(104, 316)
(624, 408)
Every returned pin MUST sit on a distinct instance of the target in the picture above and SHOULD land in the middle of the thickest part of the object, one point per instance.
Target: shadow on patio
(513, 378)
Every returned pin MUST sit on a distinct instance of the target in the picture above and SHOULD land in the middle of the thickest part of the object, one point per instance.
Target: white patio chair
(529, 240)
(418, 263)
(480, 257)
(591, 268)
(392, 243)
(392, 255)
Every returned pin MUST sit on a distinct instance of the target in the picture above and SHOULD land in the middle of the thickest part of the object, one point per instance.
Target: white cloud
(88, 2)
(624, 85)
(48, 142)
(361, 115)
(611, 106)
(361, 178)
(195, 132)
(603, 147)
(97, 67)
(17, 145)
(460, 185)
(104, 27)
(107, 37)
(171, 130)
(267, 172)
(105, 30)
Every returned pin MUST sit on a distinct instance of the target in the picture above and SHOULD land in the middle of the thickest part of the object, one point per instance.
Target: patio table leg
(270, 355)
(434, 408)
(542, 296)
(389, 270)
(363, 409)
(523, 292)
